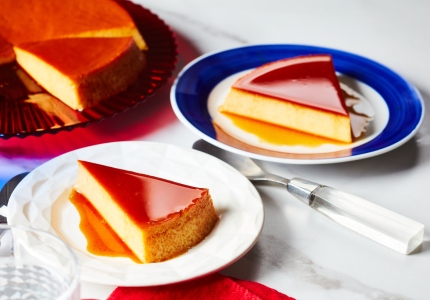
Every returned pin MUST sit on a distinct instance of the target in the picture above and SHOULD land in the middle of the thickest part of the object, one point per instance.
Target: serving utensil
(388, 228)
(5, 193)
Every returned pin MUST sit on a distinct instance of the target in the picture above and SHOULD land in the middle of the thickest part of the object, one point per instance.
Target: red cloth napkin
(215, 286)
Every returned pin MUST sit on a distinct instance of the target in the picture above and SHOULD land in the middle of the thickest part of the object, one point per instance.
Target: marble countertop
(300, 252)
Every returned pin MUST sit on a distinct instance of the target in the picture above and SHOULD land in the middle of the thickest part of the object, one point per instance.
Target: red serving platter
(22, 115)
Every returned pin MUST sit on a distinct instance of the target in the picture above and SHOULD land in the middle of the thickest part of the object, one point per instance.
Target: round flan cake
(48, 37)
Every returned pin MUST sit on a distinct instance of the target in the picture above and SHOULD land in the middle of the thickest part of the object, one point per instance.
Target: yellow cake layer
(288, 114)
(109, 66)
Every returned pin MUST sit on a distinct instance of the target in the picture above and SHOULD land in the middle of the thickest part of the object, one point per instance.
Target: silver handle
(377, 223)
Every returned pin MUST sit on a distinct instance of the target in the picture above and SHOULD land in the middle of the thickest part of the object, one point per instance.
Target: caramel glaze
(101, 239)
(145, 199)
(307, 80)
(35, 20)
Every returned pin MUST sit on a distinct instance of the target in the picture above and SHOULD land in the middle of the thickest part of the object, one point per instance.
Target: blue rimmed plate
(200, 88)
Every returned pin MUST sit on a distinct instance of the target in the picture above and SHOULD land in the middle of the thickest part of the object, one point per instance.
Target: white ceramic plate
(41, 200)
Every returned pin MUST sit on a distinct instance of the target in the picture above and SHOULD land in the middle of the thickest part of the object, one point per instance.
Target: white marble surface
(300, 252)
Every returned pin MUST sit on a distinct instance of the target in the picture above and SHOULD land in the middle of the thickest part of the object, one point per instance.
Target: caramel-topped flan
(80, 51)
(23, 21)
(82, 71)
(301, 93)
(156, 218)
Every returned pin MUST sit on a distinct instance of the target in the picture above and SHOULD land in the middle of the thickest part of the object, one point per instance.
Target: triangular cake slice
(156, 218)
(81, 72)
(301, 93)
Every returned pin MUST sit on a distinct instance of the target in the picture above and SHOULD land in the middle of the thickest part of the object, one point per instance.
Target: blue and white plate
(395, 104)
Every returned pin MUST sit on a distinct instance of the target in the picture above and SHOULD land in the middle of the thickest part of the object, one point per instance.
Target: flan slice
(81, 72)
(156, 218)
(23, 21)
(301, 93)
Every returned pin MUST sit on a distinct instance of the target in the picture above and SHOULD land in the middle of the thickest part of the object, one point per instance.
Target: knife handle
(377, 223)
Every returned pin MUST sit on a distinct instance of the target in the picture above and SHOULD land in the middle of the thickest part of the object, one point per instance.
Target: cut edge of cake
(288, 114)
(76, 20)
(80, 91)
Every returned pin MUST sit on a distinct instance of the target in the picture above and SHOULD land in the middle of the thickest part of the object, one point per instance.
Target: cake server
(5, 193)
(377, 223)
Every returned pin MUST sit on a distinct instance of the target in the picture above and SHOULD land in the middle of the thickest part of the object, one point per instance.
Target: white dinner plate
(41, 200)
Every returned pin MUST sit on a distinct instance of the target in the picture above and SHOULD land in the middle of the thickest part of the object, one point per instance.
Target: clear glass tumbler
(36, 265)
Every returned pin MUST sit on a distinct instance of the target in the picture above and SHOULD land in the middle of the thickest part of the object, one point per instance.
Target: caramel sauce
(278, 135)
(7, 55)
(101, 239)
(63, 54)
(227, 139)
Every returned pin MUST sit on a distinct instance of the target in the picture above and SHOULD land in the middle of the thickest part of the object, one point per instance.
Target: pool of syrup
(101, 238)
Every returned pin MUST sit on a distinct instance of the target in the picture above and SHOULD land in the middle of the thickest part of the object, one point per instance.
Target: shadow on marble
(251, 271)
(401, 159)
(273, 253)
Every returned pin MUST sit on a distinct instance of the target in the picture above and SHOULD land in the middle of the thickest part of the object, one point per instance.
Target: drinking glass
(36, 265)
